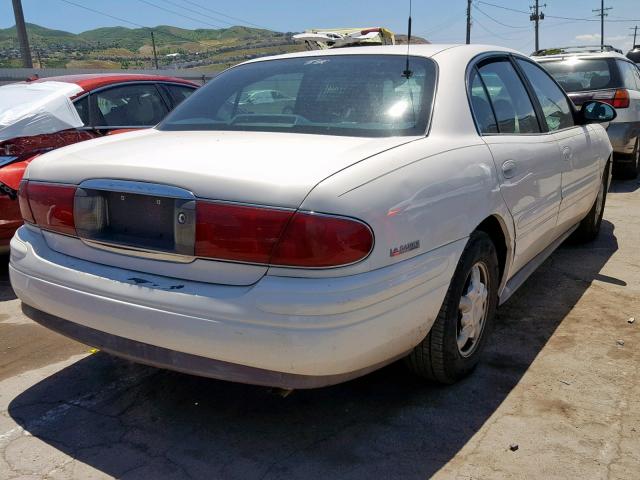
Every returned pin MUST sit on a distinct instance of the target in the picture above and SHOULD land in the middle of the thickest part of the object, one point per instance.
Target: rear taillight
(23, 201)
(316, 241)
(621, 98)
(617, 99)
(237, 232)
(48, 206)
(279, 237)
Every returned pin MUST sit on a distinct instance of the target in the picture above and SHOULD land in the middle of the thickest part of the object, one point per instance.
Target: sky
(498, 22)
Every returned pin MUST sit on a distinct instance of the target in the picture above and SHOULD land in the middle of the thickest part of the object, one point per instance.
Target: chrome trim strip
(140, 188)
(139, 252)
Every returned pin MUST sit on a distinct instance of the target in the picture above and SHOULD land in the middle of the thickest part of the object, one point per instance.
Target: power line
(98, 12)
(629, 20)
(102, 13)
(225, 15)
(493, 33)
(502, 7)
(446, 24)
(197, 12)
(495, 20)
(179, 14)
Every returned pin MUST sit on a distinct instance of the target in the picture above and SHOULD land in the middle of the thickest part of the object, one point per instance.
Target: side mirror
(597, 112)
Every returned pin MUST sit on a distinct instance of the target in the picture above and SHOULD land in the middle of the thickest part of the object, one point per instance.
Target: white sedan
(384, 212)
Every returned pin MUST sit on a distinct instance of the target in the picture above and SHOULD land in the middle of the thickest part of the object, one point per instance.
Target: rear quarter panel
(431, 192)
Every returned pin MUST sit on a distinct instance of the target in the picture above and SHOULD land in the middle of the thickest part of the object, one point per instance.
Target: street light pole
(23, 39)
(468, 22)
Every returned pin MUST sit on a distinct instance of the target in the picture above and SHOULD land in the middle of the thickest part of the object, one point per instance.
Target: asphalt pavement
(557, 395)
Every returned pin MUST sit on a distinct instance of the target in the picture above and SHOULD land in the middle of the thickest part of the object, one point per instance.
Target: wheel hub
(473, 309)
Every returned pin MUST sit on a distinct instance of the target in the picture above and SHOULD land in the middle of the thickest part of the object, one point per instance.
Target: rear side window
(138, 105)
(581, 74)
(629, 75)
(82, 107)
(179, 93)
(553, 101)
(481, 105)
(511, 103)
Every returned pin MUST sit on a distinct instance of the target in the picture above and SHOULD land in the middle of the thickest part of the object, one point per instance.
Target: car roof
(91, 81)
(420, 50)
(563, 56)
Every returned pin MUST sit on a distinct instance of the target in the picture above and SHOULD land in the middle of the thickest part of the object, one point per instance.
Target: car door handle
(509, 169)
(567, 153)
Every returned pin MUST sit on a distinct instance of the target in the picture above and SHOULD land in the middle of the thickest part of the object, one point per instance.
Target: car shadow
(624, 186)
(6, 292)
(132, 421)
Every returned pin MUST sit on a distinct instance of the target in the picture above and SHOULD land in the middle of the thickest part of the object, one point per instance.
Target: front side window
(137, 105)
(554, 103)
(511, 103)
(356, 95)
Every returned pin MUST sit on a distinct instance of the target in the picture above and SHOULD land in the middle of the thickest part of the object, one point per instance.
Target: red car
(39, 116)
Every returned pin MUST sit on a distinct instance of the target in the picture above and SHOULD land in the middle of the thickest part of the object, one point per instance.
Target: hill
(122, 47)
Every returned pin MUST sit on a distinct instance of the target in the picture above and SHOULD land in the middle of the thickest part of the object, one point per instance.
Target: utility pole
(23, 39)
(155, 54)
(468, 22)
(603, 13)
(536, 16)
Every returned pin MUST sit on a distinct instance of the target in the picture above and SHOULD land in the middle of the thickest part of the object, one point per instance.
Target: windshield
(579, 74)
(355, 95)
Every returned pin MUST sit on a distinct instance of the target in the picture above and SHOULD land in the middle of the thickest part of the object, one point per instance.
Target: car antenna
(407, 71)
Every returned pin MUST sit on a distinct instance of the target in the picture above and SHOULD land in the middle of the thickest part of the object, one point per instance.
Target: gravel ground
(556, 396)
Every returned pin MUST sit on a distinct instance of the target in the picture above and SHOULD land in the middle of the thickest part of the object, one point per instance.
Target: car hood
(277, 169)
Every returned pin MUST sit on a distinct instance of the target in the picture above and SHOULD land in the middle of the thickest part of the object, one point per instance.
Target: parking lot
(556, 396)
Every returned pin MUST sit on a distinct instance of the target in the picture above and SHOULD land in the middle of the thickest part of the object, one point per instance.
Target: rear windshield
(354, 95)
(581, 74)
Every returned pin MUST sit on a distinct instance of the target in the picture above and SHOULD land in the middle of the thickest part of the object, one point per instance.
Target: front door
(528, 161)
(578, 146)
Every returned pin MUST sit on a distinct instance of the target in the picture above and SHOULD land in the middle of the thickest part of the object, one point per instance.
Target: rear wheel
(454, 345)
(589, 227)
(630, 169)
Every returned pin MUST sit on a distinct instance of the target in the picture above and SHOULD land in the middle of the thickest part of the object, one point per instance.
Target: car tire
(630, 170)
(444, 356)
(589, 227)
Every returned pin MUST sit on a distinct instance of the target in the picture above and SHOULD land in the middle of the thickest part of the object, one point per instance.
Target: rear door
(126, 106)
(579, 148)
(528, 162)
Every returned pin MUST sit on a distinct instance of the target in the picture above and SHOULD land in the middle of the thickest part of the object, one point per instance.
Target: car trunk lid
(136, 195)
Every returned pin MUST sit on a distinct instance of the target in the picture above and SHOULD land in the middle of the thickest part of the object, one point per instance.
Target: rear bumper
(623, 137)
(287, 332)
